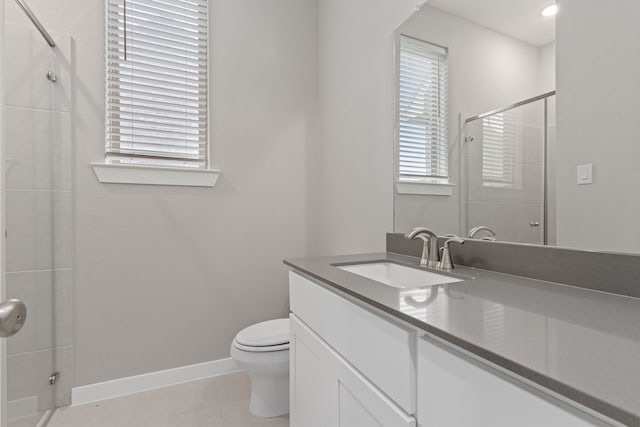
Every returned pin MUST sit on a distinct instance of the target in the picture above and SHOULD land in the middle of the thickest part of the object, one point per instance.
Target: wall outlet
(585, 174)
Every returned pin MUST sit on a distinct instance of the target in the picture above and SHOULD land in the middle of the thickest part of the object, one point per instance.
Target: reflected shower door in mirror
(508, 172)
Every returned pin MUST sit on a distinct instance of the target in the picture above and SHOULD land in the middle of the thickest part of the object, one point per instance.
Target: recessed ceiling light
(550, 10)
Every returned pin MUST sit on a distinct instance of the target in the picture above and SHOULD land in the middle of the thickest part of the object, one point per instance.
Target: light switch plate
(585, 174)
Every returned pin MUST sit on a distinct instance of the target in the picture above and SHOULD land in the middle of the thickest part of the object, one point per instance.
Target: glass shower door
(505, 164)
(36, 187)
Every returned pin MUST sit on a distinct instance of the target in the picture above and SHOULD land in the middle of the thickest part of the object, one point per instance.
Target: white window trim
(108, 173)
(114, 173)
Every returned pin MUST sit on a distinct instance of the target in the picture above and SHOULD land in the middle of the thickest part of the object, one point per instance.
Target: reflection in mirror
(515, 171)
(508, 170)
(485, 169)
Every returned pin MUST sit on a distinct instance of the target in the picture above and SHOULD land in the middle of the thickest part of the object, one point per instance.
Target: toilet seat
(260, 349)
(272, 335)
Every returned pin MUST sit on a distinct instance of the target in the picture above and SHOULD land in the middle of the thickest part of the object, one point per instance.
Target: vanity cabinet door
(355, 402)
(326, 391)
(368, 341)
(454, 391)
(309, 372)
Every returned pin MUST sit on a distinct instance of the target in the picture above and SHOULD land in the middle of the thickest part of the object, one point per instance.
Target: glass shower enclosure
(509, 171)
(36, 153)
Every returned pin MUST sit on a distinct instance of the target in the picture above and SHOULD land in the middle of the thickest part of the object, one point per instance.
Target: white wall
(165, 276)
(487, 70)
(355, 154)
(598, 109)
(547, 67)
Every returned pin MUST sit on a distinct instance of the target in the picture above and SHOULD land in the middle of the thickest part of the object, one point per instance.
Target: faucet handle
(455, 239)
(446, 263)
(418, 231)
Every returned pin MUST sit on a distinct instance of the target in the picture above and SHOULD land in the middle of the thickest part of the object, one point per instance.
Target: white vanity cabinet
(383, 351)
(353, 367)
(455, 391)
(348, 366)
(308, 377)
(326, 391)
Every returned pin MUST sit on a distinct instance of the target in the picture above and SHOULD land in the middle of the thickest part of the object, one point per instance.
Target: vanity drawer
(384, 352)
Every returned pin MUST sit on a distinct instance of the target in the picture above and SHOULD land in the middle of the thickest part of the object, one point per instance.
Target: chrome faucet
(446, 263)
(429, 245)
(476, 230)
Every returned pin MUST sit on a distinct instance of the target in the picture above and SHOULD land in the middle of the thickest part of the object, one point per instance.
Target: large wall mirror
(518, 121)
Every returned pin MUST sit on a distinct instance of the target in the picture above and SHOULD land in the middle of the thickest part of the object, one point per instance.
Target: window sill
(424, 188)
(154, 175)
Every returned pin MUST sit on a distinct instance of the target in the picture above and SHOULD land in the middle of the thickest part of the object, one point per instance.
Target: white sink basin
(397, 275)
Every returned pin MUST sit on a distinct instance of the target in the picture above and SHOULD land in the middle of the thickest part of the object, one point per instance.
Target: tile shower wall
(38, 219)
(552, 164)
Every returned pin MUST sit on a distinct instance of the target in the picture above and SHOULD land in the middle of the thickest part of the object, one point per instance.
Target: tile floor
(214, 402)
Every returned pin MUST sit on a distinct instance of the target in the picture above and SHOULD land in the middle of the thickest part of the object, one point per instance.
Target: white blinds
(156, 89)
(501, 141)
(423, 115)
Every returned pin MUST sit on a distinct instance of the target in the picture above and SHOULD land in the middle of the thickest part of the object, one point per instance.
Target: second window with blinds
(502, 150)
(422, 114)
(157, 84)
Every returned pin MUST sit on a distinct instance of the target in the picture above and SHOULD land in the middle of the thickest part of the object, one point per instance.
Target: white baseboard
(129, 385)
(25, 407)
(46, 417)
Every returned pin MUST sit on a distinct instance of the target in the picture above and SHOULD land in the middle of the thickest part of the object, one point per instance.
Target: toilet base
(269, 374)
(269, 395)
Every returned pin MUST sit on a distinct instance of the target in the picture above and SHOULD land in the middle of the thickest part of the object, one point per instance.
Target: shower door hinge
(53, 378)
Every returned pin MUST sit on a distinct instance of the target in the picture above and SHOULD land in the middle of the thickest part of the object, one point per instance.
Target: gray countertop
(580, 343)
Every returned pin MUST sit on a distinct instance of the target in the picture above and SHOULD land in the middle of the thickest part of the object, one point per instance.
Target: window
(501, 150)
(422, 112)
(156, 89)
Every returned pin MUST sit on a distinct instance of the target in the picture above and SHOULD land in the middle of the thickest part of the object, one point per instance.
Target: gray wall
(355, 169)
(486, 70)
(598, 109)
(165, 276)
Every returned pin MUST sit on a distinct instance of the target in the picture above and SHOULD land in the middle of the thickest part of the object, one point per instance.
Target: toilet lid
(265, 334)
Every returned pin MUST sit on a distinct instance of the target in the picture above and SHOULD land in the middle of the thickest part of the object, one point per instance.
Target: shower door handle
(534, 224)
(13, 314)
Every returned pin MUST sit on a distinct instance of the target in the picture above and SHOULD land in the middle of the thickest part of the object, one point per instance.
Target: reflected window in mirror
(502, 150)
(422, 112)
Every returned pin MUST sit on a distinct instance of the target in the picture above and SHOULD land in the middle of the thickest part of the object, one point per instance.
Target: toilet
(263, 351)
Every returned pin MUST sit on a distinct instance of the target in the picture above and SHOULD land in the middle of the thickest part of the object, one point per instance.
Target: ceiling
(519, 19)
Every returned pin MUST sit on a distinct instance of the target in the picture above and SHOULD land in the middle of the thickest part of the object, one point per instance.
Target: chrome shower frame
(32, 17)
